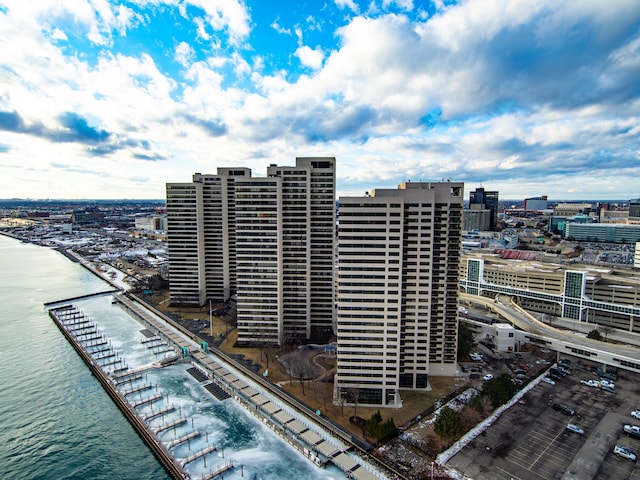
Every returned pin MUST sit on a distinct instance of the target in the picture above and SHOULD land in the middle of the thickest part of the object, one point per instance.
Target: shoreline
(355, 447)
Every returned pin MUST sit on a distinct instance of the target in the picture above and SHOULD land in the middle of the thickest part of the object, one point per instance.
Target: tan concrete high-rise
(285, 253)
(201, 237)
(269, 240)
(397, 317)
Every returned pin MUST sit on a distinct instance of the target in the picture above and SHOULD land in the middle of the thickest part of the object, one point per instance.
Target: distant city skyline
(113, 100)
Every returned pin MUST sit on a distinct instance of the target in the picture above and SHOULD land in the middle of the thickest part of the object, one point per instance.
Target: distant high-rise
(634, 208)
(479, 199)
(269, 240)
(397, 318)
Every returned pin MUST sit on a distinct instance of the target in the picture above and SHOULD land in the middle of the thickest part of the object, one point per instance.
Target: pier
(170, 464)
(141, 388)
(178, 441)
(199, 454)
(167, 426)
(81, 297)
(219, 471)
(144, 401)
(157, 413)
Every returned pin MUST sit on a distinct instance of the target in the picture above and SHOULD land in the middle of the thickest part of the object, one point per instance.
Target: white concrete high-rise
(397, 317)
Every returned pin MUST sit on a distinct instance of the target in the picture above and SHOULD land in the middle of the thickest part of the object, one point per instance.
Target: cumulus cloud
(509, 91)
(184, 54)
(310, 58)
(350, 4)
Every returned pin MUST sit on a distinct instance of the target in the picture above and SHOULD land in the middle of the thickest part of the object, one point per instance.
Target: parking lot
(531, 441)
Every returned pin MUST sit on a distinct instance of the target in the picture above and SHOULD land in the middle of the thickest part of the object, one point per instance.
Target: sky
(104, 99)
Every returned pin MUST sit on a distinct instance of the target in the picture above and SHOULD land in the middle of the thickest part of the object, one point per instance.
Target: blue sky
(102, 99)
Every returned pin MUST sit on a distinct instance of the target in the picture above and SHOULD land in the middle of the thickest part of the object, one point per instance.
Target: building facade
(604, 297)
(201, 237)
(268, 240)
(480, 199)
(285, 253)
(602, 232)
(398, 256)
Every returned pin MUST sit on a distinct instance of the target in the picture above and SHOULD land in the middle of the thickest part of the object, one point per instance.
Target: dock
(170, 425)
(170, 464)
(144, 401)
(201, 453)
(181, 440)
(219, 471)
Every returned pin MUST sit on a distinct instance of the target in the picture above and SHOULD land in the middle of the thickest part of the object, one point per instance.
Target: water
(56, 420)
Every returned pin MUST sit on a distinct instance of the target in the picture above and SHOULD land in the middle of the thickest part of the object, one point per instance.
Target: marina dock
(174, 468)
(318, 440)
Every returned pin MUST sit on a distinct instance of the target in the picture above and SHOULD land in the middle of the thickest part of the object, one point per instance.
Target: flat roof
(283, 417)
(271, 408)
(297, 427)
(362, 473)
(327, 449)
(345, 462)
(311, 437)
(259, 399)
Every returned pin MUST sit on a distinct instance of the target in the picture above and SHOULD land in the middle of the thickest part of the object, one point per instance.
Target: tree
(449, 423)
(594, 335)
(373, 424)
(465, 340)
(500, 389)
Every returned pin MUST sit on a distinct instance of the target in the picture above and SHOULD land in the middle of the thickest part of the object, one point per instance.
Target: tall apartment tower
(285, 253)
(479, 199)
(397, 318)
(201, 237)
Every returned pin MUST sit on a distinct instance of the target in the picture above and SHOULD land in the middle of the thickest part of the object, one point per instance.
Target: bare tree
(606, 329)
(302, 371)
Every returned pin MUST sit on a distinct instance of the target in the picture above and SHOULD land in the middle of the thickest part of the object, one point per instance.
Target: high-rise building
(480, 199)
(634, 208)
(397, 318)
(201, 237)
(269, 240)
(286, 242)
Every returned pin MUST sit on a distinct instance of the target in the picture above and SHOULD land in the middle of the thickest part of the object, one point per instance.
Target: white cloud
(276, 26)
(184, 54)
(350, 4)
(310, 58)
(231, 15)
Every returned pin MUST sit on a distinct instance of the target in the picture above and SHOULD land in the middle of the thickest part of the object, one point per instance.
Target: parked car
(564, 409)
(487, 377)
(476, 357)
(607, 383)
(564, 369)
(574, 428)
(632, 430)
(548, 380)
(636, 414)
(590, 383)
(625, 452)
